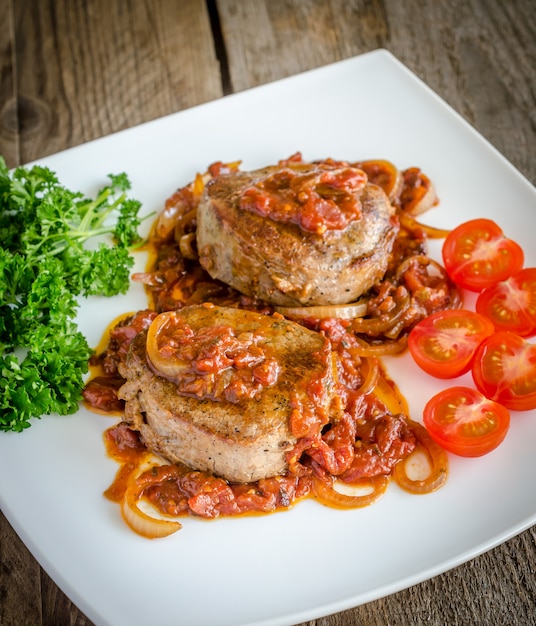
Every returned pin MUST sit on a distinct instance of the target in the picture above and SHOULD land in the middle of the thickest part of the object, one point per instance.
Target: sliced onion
(373, 374)
(389, 395)
(339, 311)
(381, 324)
(167, 366)
(363, 348)
(198, 186)
(437, 458)
(143, 524)
(424, 200)
(373, 488)
(424, 261)
(184, 223)
(187, 246)
(408, 222)
(385, 175)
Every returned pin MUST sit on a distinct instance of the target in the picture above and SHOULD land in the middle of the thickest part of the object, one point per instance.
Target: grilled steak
(194, 419)
(263, 254)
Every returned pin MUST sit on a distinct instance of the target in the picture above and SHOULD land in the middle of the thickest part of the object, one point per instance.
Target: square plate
(310, 561)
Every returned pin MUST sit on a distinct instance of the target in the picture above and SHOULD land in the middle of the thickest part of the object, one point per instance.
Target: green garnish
(44, 267)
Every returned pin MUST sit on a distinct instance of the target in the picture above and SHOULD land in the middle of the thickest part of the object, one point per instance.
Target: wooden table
(74, 70)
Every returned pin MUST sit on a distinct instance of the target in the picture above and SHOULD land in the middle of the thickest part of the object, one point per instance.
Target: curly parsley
(44, 266)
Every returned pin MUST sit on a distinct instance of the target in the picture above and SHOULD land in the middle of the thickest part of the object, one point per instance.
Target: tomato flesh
(476, 254)
(444, 343)
(504, 370)
(465, 422)
(511, 304)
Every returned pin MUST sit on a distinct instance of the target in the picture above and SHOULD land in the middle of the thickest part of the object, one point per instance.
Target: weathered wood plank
(109, 65)
(478, 56)
(270, 40)
(8, 97)
(20, 589)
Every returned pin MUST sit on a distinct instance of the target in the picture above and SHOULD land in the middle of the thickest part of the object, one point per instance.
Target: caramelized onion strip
(184, 223)
(379, 325)
(389, 395)
(339, 311)
(328, 495)
(425, 261)
(385, 175)
(187, 246)
(363, 348)
(437, 460)
(456, 297)
(142, 523)
(169, 366)
(372, 376)
(408, 222)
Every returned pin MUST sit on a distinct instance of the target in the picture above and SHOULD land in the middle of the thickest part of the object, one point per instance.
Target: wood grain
(72, 71)
(478, 56)
(8, 95)
(87, 69)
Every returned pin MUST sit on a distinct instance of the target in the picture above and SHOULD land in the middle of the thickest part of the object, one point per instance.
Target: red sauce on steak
(316, 199)
(212, 362)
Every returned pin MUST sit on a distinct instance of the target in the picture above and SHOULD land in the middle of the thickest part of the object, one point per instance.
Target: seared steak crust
(241, 441)
(281, 263)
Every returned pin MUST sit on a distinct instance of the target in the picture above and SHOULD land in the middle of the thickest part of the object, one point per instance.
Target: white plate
(311, 561)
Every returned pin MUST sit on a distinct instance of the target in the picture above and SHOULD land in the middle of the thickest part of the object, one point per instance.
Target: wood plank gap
(219, 45)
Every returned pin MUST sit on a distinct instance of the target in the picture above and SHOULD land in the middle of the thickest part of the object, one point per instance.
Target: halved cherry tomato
(476, 255)
(511, 304)
(465, 422)
(504, 370)
(444, 343)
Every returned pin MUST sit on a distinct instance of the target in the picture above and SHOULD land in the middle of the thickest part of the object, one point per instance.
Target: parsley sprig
(52, 251)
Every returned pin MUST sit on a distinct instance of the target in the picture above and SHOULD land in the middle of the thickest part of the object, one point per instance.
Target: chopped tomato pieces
(477, 254)
(465, 422)
(443, 344)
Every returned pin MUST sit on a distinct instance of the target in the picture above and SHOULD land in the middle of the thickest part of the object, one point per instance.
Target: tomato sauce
(178, 490)
(365, 441)
(319, 200)
(100, 391)
(212, 362)
(370, 437)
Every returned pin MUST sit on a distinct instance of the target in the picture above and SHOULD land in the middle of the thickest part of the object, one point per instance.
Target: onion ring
(437, 458)
(418, 192)
(378, 325)
(385, 175)
(327, 494)
(423, 260)
(143, 524)
(169, 366)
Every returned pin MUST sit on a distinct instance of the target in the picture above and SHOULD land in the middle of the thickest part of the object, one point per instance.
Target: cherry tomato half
(476, 255)
(465, 422)
(511, 304)
(504, 370)
(444, 343)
